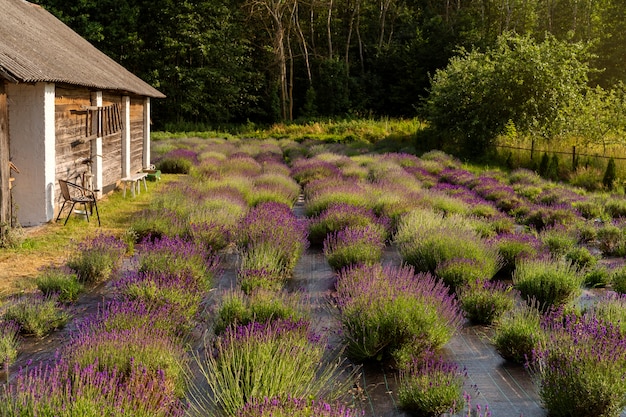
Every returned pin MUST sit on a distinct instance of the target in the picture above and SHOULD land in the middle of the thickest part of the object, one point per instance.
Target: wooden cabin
(67, 111)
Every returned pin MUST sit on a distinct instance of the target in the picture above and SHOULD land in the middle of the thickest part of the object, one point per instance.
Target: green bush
(427, 241)
(548, 281)
(484, 303)
(517, 333)
(174, 166)
(61, 282)
(9, 342)
(239, 309)
(598, 276)
(618, 280)
(612, 240)
(581, 258)
(610, 175)
(36, 315)
(97, 258)
(431, 387)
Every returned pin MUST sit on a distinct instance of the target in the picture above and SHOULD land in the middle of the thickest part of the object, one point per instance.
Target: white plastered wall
(146, 133)
(126, 137)
(32, 147)
(96, 150)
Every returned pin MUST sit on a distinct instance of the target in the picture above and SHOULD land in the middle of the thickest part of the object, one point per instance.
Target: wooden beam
(5, 168)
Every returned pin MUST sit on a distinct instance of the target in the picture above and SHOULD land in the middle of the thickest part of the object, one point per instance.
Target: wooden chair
(75, 194)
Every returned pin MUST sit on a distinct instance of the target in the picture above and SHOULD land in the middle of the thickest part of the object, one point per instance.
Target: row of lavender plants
(129, 357)
(494, 238)
(387, 313)
(262, 356)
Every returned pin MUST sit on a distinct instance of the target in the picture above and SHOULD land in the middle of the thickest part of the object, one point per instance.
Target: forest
(472, 68)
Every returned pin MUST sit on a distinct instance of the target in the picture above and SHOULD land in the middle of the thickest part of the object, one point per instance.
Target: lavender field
(276, 278)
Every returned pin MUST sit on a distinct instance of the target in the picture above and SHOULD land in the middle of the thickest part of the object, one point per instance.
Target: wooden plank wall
(111, 150)
(5, 171)
(72, 148)
(136, 134)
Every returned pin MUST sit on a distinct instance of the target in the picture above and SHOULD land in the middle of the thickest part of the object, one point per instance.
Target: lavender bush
(485, 302)
(61, 282)
(63, 390)
(97, 258)
(580, 368)
(431, 386)
(339, 216)
(259, 361)
(182, 292)
(517, 333)
(35, 314)
(238, 309)
(354, 245)
(9, 342)
(427, 241)
(175, 256)
(389, 312)
(123, 351)
(551, 282)
(275, 225)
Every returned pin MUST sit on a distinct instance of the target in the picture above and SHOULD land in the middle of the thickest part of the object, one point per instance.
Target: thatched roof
(37, 47)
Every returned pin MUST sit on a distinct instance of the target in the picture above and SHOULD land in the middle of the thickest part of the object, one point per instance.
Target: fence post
(532, 148)
(574, 163)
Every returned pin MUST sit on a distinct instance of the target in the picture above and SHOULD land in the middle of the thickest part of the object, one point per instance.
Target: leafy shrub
(589, 178)
(97, 258)
(485, 302)
(353, 245)
(36, 315)
(550, 282)
(615, 207)
(431, 387)
(61, 282)
(580, 368)
(517, 333)
(389, 312)
(244, 368)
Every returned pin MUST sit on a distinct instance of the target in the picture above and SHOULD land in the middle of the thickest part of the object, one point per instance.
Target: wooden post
(5, 170)
(532, 148)
(574, 164)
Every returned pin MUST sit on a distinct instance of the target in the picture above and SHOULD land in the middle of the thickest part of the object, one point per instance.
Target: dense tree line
(269, 60)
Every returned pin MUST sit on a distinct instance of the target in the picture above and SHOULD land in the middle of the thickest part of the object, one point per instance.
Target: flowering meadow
(506, 252)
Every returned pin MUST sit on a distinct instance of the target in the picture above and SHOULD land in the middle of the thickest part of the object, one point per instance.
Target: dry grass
(52, 243)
